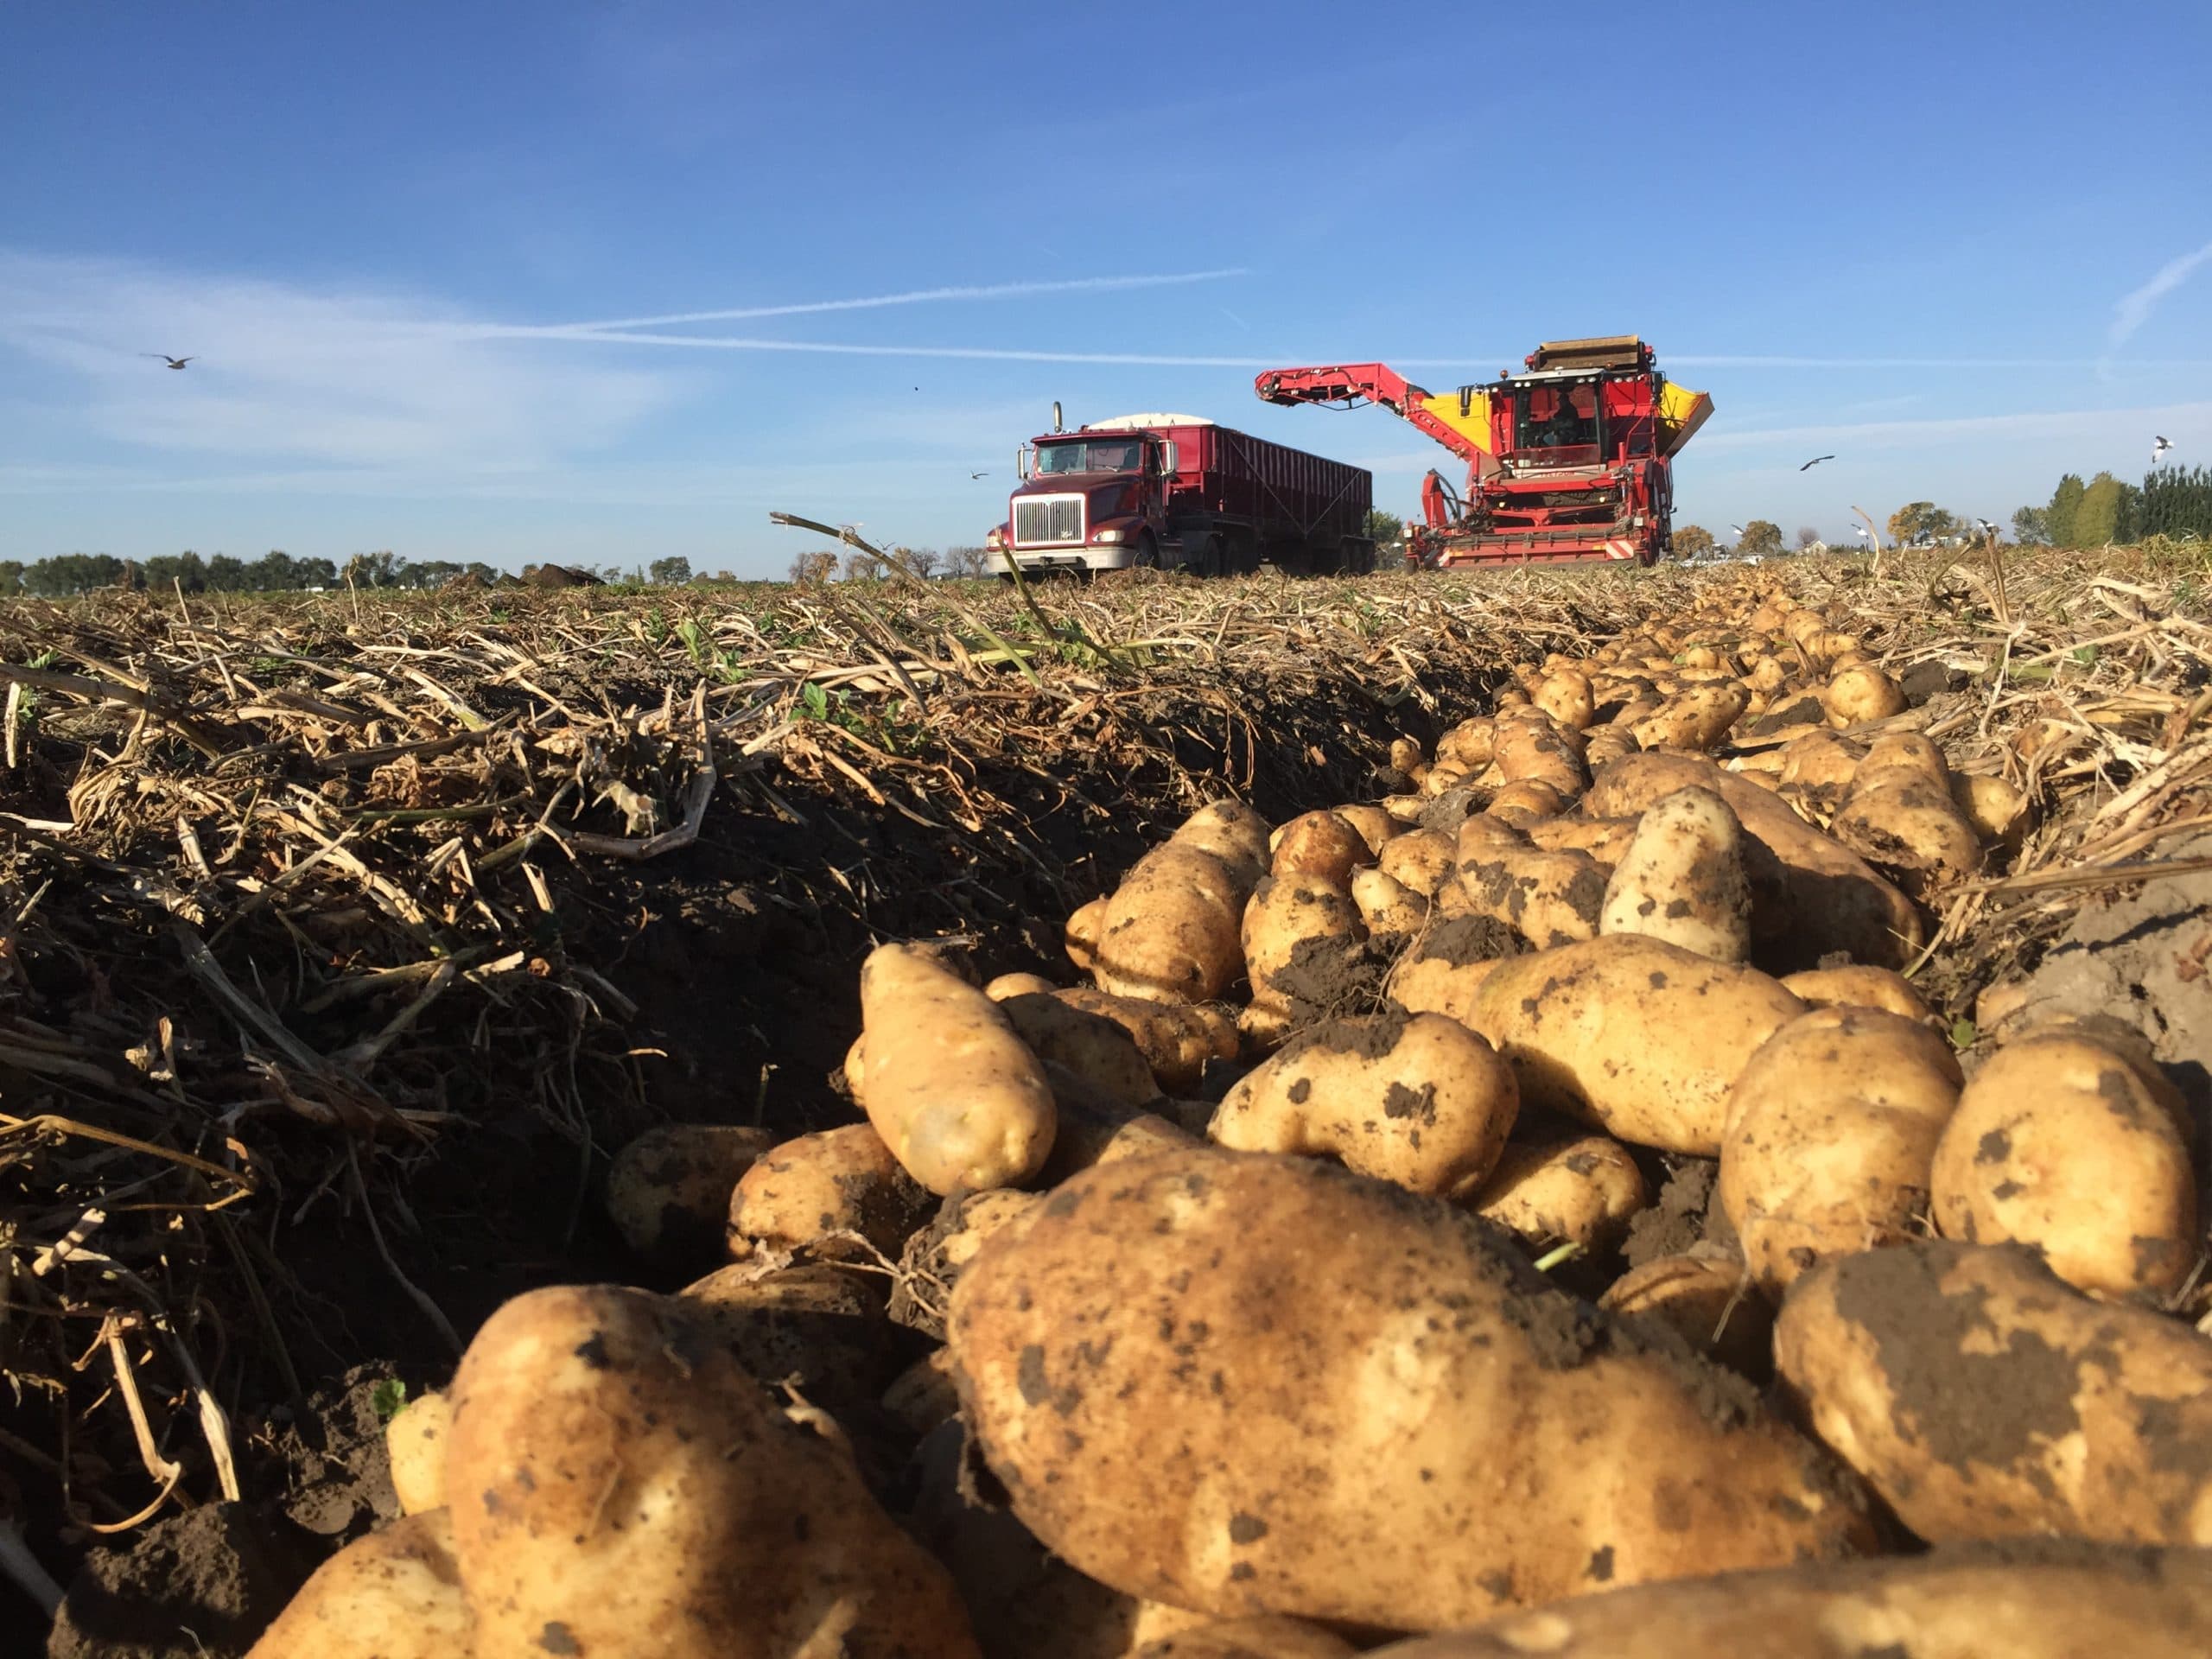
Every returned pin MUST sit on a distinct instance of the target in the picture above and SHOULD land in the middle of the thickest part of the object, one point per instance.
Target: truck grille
(1045, 519)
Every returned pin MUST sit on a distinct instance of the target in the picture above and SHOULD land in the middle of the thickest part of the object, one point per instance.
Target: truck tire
(1203, 555)
(1146, 555)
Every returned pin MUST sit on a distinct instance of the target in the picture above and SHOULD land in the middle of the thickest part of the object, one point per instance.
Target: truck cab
(1091, 499)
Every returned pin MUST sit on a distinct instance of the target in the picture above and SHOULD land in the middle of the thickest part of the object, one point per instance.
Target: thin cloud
(1872, 435)
(2134, 309)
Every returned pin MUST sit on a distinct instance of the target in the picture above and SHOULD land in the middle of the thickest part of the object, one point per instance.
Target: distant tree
(968, 560)
(2065, 503)
(1918, 522)
(2173, 501)
(67, 574)
(1760, 539)
(428, 573)
(670, 573)
(862, 567)
(2106, 514)
(11, 577)
(2032, 526)
(183, 570)
(378, 570)
(1807, 537)
(922, 560)
(809, 569)
(1693, 541)
(1384, 529)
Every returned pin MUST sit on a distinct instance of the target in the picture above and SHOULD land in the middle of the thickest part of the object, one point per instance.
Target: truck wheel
(1202, 556)
(1146, 556)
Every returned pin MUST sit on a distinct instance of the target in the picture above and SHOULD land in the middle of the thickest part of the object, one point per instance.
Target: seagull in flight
(178, 362)
(973, 475)
(1739, 529)
(2158, 448)
(1813, 462)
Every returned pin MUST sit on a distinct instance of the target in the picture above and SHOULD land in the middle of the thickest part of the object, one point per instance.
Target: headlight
(994, 539)
(1107, 535)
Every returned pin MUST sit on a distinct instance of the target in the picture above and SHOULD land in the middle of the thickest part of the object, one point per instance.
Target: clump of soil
(202, 1585)
(1687, 1213)
(330, 1459)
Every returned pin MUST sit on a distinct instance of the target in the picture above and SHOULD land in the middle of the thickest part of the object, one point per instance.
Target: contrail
(2134, 309)
(915, 297)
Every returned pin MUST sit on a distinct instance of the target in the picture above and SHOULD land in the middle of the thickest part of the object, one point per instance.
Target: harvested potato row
(1337, 1378)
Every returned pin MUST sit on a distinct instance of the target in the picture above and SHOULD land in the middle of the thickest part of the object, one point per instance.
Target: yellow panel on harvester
(1681, 411)
(1472, 425)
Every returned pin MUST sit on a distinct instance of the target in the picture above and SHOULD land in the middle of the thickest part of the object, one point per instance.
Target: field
(344, 938)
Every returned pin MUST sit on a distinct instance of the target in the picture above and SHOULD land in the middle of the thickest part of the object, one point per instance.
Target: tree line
(66, 575)
(2175, 501)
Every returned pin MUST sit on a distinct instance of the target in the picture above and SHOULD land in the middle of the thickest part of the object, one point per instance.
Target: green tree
(2065, 503)
(2032, 526)
(11, 577)
(1922, 521)
(1693, 541)
(2173, 501)
(67, 574)
(186, 570)
(2106, 514)
(1760, 539)
(670, 573)
(1385, 529)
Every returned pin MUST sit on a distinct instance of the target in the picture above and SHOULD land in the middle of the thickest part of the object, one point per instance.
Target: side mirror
(1021, 459)
(1167, 458)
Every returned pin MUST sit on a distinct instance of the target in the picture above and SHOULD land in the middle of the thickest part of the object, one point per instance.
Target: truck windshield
(1555, 417)
(1090, 455)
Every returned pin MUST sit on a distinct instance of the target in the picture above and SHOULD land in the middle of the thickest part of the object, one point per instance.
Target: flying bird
(1813, 462)
(979, 475)
(178, 362)
(1739, 529)
(2158, 448)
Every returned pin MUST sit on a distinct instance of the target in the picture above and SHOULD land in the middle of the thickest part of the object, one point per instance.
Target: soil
(1687, 1213)
(203, 1582)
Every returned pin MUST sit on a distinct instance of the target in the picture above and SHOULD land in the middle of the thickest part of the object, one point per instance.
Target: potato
(1472, 745)
(1387, 907)
(1442, 777)
(2059, 1143)
(1302, 935)
(1549, 897)
(1406, 755)
(1169, 931)
(1417, 1099)
(1984, 1399)
(2057, 1600)
(1603, 745)
(1374, 825)
(668, 1190)
(1012, 985)
(394, 1594)
(1089, 1045)
(1176, 1039)
(1810, 897)
(1566, 697)
(1832, 1127)
(1681, 879)
(1265, 1637)
(1604, 839)
(924, 1394)
(623, 1485)
(804, 1193)
(1321, 844)
(818, 1327)
(953, 1090)
(416, 1441)
(1856, 695)
(1638, 1036)
(1899, 816)
(1698, 718)
(1525, 800)
(1446, 967)
(1853, 985)
(1707, 1300)
(1337, 1380)
(1569, 1192)
(1231, 831)
(1095, 1128)
(935, 1257)
(1532, 748)
(1420, 859)
(1997, 811)
(1080, 937)
(1817, 770)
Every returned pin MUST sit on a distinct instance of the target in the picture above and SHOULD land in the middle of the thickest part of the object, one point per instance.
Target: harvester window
(1555, 417)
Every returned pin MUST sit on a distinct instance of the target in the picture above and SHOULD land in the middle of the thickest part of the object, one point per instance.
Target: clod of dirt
(1689, 1213)
(1925, 680)
(202, 1585)
(332, 1458)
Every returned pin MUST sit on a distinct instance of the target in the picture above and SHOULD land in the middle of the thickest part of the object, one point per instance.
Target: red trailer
(1176, 492)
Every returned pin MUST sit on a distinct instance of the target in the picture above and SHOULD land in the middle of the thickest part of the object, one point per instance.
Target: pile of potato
(1214, 1307)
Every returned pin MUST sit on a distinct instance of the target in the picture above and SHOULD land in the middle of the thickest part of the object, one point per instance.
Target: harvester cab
(1569, 460)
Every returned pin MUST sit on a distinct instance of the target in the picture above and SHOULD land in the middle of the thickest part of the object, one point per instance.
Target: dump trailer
(1571, 460)
(1177, 491)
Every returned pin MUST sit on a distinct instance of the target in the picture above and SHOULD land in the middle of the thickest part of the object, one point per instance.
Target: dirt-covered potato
(924, 1394)
(1603, 745)
(1707, 1299)
(1095, 1128)
(1566, 695)
(818, 1327)
(1176, 1039)
(1548, 897)
(668, 1190)
(1832, 1127)
(805, 1193)
(1854, 985)
(1302, 934)
(1337, 1379)
(623, 1485)
(1080, 936)
(1817, 772)
(1568, 1192)
(1445, 967)
(1857, 695)
(1387, 907)
(1006, 986)
(1641, 1038)
(395, 1594)
(1323, 844)
(1532, 748)
(1810, 896)
(1899, 816)
(1681, 879)
(2062, 1599)
(936, 1256)
(416, 1441)
(953, 1089)
(1231, 831)
(1472, 745)
(1170, 929)
(1418, 859)
(1526, 800)
(1604, 839)
(1374, 825)
(1696, 718)
(2061, 1142)
(1983, 1398)
(1997, 811)
(1417, 1099)
(1089, 1045)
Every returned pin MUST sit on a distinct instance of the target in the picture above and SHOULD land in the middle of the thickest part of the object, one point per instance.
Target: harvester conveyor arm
(1352, 384)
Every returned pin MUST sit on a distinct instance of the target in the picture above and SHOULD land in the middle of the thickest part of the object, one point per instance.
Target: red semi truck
(1176, 492)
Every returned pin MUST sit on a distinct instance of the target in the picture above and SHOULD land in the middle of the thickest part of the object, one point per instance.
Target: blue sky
(422, 252)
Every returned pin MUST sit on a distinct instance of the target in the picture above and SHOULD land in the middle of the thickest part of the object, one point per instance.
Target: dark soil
(203, 1582)
(1687, 1212)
